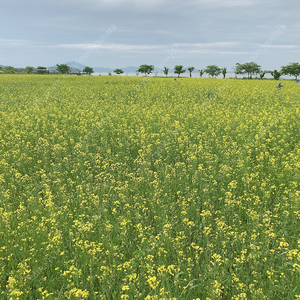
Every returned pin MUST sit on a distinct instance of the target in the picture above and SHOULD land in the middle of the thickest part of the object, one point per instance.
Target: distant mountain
(130, 69)
(101, 69)
(79, 66)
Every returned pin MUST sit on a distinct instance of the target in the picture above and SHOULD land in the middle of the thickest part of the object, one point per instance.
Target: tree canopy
(262, 74)
(212, 70)
(42, 70)
(224, 72)
(10, 70)
(292, 69)
(179, 70)
(63, 69)
(201, 72)
(88, 70)
(276, 74)
(29, 69)
(166, 71)
(250, 68)
(191, 69)
(118, 71)
(146, 69)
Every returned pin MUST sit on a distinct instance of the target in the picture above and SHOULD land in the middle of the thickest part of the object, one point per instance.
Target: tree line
(250, 69)
(61, 69)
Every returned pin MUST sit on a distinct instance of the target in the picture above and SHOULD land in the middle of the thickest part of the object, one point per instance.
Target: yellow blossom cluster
(127, 188)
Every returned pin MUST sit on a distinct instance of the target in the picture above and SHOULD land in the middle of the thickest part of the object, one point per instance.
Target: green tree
(118, 71)
(29, 69)
(42, 70)
(224, 72)
(63, 69)
(146, 69)
(212, 70)
(179, 70)
(191, 69)
(250, 68)
(10, 70)
(292, 69)
(201, 73)
(276, 75)
(88, 70)
(166, 71)
(262, 74)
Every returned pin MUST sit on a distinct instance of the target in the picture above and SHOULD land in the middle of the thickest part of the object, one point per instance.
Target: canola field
(149, 188)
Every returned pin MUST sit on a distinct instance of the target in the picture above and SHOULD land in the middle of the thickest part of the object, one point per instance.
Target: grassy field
(136, 188)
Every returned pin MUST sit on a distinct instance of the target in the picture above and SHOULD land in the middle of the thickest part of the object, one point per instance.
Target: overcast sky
(121, 33)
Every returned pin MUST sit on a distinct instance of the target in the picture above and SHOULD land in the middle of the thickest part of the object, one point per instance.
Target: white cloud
(220, 52)
(283, 46)
(211, 45)
(182, 49)
(205, 31)
(12, 42)
(225, 3)
(139, 48)
(111, 47)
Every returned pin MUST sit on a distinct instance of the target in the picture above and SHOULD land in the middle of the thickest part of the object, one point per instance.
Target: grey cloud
(147, 29)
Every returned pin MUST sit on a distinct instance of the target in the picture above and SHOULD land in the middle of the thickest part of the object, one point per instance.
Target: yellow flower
(153, 282)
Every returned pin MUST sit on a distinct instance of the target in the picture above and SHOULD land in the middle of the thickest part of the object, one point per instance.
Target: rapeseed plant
(176, 190)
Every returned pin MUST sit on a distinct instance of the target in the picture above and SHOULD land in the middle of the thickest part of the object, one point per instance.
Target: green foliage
(42, 70)
(224, 72)
(9, 70)
(166, 71)
(118, 71)
(191, 69)
(262, 74)
(111, 194)
(250, 68)
(212, 70)
(63, 69)
(178, 69)
(182, 191)
(146, 69)
(201, 72)
(276, 74)
(88, 70)
(292, 69)
(29, 69)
